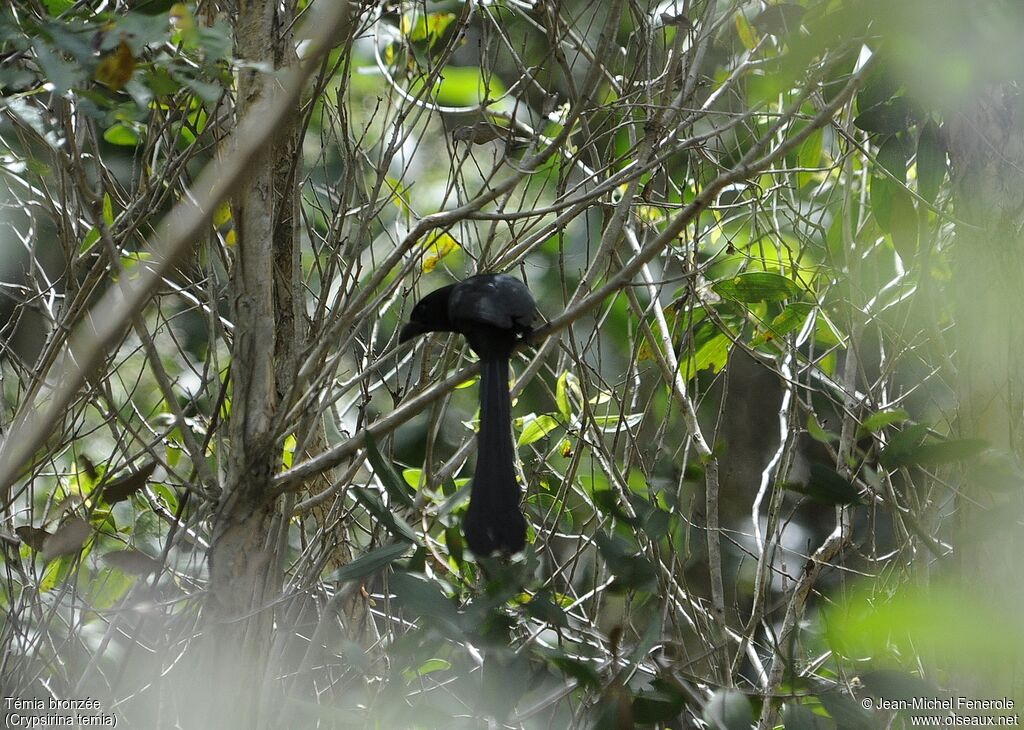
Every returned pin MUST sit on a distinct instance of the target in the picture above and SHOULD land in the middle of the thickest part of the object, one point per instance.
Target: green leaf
(108, 587)
(901, 446)
(945, 452)
(108, 210)
(424, 598)
(931, 161)
(391, 521)
(758, 286)
(430, 27)
(903, 224)
(792, 317)
(543, 608)
(828, 486)
(537, 429)
(881, 190)
(607, 501)
(56, 7)
(892, 156)
(940, 620)
(90, 240)
(889, 117)
(748, 37)
(711, 354)
(879, 87)
(394, 485)
(369, 563)
(631, 571)
(413, 477)
(431, 665)
(809, 155)
(567, 382)
(582, 672)
(122, 135)
(729, 709)
(880, 419)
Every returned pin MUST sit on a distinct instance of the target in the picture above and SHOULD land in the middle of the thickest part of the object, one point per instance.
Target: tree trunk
(986, 149)
(245, 572)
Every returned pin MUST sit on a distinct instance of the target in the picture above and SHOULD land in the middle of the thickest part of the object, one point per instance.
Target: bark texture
(245, 571)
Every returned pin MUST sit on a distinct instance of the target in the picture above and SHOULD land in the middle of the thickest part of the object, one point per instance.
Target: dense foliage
(740, 432)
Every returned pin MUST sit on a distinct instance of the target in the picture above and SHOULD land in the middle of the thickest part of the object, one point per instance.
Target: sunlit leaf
(537, 429)
(746, 32)
(789, 319)
(809, 156)
(429, 27)
(712, 354)
(427, 667)
(438, 245)
(880, 419)
(567, 384)
(121, 134)
(758, 286)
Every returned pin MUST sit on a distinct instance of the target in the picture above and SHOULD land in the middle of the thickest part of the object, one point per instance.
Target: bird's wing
(493, 299)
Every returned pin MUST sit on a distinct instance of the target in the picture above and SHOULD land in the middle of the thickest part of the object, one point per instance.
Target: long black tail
(493, 520)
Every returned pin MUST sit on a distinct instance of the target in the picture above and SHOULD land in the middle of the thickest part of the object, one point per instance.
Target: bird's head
(429, 315)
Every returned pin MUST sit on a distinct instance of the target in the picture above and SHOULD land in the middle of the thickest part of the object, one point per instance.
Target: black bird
(494, 312)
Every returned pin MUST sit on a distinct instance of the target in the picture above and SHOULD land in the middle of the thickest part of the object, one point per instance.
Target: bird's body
(494, 312)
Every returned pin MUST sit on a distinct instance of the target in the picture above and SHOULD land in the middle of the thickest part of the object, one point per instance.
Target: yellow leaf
(289, 451)
(748, 36)
(116, 68)
(222, 215)
(181, 18)
(438, 246)
(650, 214)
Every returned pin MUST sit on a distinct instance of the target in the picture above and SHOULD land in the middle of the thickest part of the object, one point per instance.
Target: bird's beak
(413, 329)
